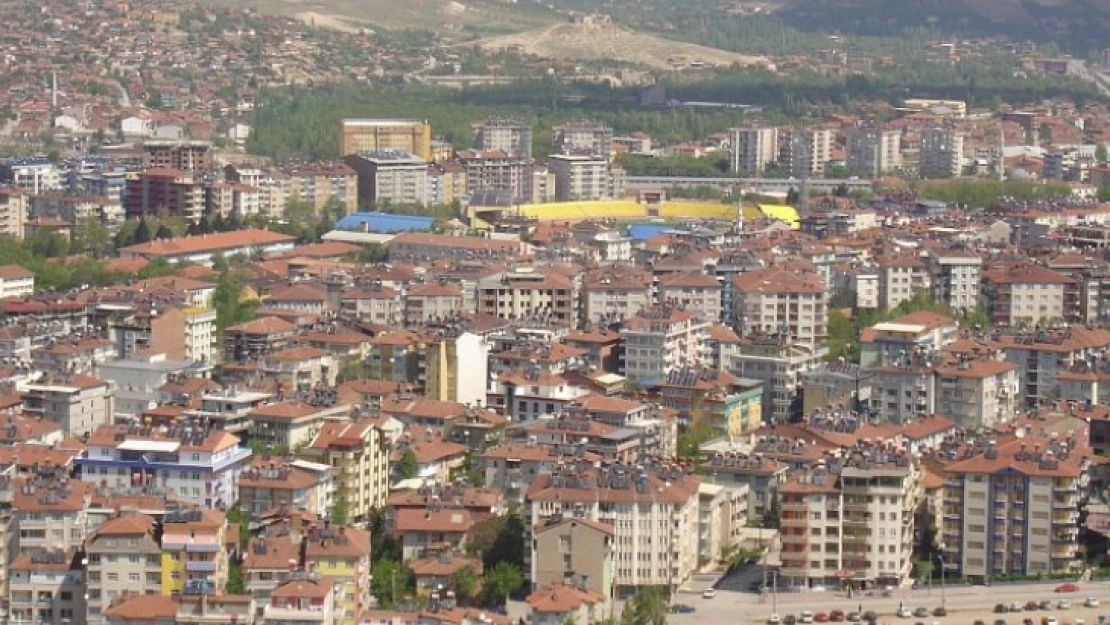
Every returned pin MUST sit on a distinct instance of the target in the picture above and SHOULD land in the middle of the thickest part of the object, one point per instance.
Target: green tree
(164, 232)
(225, 300)
(499, 582)
(508, 546)
(465, 584)
(772, 518)
(408, 467)
(1101, 153)
(48, 244)
(923, 571)
(389, 582)
(142, 232)
(1104, 193)
(235, 584)
(646, 607)
(340, 510)
(92, 238)
(382, 544)
(219, 263)
(157, 268)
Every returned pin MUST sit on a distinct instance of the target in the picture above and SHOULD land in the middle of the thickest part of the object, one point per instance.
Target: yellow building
(342, 554)
(193, 554)
(358, 452)
(414, 137)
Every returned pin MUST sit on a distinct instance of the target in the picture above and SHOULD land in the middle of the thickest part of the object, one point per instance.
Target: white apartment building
(580, 177)
(390, 177)
(1012, 508)
(527, 291)
(774, 300)
(511, 136)
(694, 291)
(779, 363)
(526, 395)
(900, 278)
(941, 153)
(661, 339)
(653, 511)
(14, 209)
(610, 295)
(1043, 356)
(77, 403)
(186, 463)
(1027, 295)
(954, 278)
(16, 281)
(46, 587)
(752, 148)
(874, 152)
(49, 513)
(853, 512)
(904, 390)
(978, 392)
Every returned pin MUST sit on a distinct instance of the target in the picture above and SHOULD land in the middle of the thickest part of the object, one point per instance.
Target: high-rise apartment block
(942, 150)
(583, 138)
(511, 136)
(753, 148)
(874, 151)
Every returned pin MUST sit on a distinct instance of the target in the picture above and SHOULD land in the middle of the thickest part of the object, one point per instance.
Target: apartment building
(779, 362)
(46, 586)
(14, 210)
(694, 291)
(941, 152)
(446, 183)
(361, 135)
(16, 281)
(268, 484)
(358, 453)
(495, 170)
(585, 138)
(200, 249)
(750, 476)
(435, 300)
(921, 331)
(49, 511)
(181, 155)
(177, 192)
(1012, 507)
(194, 560)
(978, 392)
(76, 209)
(1027, 294)
(124, 558)
(390, 178)
(186, 462)
(77, 403)
(320, 184)
(853, 512)
(653, 512)
(900, 278)
(303, 598)
(456, 368)
(613, 295)
(954, 278)
(412, 246)
(752, 148)
(660, 339)
(292, 424)
(580, 177)
(343, 555)
(568, 548)
(236, 200)
(1042, 356)
(774, 300)
(904, 389)
(511, 136)
(873, 152)
(805, 152)
(526, 292)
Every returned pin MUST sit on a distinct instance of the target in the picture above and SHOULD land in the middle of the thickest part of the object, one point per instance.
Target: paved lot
(965, 605)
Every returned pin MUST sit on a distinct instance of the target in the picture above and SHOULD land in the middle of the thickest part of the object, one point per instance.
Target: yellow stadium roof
(783, 213)
(626, 209)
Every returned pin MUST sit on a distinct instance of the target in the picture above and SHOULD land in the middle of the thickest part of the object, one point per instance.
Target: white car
(904, 612)
(1063, 604)
(709, 593)
(806, 616)
(1091, 602)
(1050, 620)
(774, 620)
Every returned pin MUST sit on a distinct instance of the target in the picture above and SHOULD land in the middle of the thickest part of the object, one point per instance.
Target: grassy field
(478, 16)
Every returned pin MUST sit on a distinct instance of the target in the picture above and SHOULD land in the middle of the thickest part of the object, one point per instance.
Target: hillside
(597, 42)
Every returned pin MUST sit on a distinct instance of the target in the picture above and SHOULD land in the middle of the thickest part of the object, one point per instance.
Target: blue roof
(642, 232)
(385, 222)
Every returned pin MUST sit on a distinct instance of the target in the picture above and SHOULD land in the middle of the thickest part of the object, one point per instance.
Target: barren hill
(595, 42)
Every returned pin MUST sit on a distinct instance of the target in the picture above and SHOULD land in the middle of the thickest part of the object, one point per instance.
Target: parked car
(1091, 602)
(979, 622)
(853, 617)
(940, 611)
(1000, 608)
(836, 616)
(1027, 621)
(709, 593)
(682, 608)
(1049, 620)
(1030, 605)
(922, 611)
(904, 612)
(1063, 604)
(1046, 605)
(774, 620)
(1069, 587)
(1000, 622)
(821, 617)
(1015, 607)
(870, 616)
(789, 619)
(806, 616)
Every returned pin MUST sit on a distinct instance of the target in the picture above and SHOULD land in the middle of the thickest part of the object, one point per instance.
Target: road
(1079, 69)
(965, 604)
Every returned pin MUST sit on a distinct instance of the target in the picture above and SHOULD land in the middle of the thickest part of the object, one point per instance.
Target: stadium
(624, 210)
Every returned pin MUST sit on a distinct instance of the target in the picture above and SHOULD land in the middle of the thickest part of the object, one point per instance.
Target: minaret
(54, 88)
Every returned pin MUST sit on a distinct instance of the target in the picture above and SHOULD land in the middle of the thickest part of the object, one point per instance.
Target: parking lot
(965, 605)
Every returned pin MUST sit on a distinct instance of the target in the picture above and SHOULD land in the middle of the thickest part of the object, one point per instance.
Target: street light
(942, 567)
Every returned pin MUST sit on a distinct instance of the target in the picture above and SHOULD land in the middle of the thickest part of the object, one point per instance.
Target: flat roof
(143, 445)
(311, 466)
(906, 328)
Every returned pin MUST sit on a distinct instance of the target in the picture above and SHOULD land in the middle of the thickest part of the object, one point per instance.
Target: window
(113, 577)
(133, 578)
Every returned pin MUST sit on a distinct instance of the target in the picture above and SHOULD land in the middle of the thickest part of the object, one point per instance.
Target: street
(965, 604)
